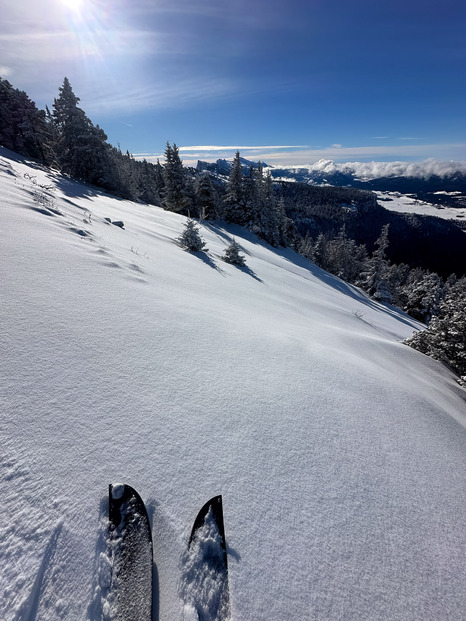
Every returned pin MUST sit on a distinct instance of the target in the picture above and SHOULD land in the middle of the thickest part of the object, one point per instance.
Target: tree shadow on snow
(247, 270)
(228, 231)
(203, 256)
(343, 287)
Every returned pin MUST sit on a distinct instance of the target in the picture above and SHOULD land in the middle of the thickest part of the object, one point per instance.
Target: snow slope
(339, 451)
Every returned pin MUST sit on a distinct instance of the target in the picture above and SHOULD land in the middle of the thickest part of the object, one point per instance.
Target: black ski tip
(215, 504)
(206, 580)
(120, 498)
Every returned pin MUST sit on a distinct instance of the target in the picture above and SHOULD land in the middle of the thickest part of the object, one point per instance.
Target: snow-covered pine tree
(283, 223)
(398, 275)
(160, 180)
(147, 183)
(375, 280)
(175, 195)
(424, 296)
(81, 147)
(344, 257)
(232, 254)
(190, 239)
(249, 197)
(206, 198)
(263, 220)
(23, 128)
(319, 251)
(233, 206)
(305, 246)
(445, 337)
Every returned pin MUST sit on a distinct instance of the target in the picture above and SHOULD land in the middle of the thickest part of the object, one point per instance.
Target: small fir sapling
(190, 238)
(232, 254)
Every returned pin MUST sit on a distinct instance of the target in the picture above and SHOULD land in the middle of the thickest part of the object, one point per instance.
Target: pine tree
(23, 128)
(159, 180)
(175, 196)
(445, 337)
(306, 247)
(344, 257)
(376, 278)
(190, 239)
(424, 297)
(81, 147)
(206, 198)
(232, 254)
(263, 219)
(284, 224)
(319, 251)
(233, 208)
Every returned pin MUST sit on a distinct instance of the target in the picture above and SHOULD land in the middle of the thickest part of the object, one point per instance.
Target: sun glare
(74, 5)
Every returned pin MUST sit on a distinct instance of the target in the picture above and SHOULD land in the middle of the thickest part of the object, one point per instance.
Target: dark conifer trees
(206, 198)
(445, 338)
(233, 209)
(175, 195)
(376, 278)
(23, 128)
(81, 148)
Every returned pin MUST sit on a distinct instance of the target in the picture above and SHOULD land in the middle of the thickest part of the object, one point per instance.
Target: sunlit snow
(394, 201)
(339, 451)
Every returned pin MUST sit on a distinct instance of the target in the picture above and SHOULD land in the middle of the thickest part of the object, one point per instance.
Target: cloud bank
(374, 170)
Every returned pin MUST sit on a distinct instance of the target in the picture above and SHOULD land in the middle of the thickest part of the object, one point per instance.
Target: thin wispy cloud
(238, 148)
(298, 155)
(177, 94)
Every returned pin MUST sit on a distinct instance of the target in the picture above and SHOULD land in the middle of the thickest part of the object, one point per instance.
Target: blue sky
(285, 81)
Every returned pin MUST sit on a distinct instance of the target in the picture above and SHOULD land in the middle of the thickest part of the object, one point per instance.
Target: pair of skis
(205, 571)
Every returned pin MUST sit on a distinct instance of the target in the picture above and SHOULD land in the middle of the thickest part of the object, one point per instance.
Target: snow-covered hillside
(339, 451)
(403, 203)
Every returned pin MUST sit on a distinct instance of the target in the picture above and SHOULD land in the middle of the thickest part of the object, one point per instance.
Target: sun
(73, 5)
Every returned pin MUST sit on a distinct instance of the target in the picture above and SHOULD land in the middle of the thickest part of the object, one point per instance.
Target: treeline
(65, 138)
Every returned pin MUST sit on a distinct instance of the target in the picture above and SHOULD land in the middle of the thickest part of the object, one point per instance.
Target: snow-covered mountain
(339, 451)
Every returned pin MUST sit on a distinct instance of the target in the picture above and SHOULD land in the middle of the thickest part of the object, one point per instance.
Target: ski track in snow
(339, 452)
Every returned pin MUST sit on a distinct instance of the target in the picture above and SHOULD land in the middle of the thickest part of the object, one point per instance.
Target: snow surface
(394, 201)
(340, 452)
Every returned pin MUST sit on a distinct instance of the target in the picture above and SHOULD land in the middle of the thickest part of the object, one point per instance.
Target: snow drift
(339, 452)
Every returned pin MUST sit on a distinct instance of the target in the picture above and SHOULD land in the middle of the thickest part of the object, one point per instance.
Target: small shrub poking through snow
(190, 238)
(232, 254)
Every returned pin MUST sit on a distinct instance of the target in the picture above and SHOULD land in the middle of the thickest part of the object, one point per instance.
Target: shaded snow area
(404, 203)
(340, 452)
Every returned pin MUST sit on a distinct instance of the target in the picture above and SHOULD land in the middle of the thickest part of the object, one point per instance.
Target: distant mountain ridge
(432, 181)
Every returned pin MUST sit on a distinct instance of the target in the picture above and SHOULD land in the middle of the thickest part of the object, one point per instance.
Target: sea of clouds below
(374, 170)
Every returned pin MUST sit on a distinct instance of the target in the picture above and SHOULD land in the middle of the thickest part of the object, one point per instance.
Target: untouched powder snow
(340, 452)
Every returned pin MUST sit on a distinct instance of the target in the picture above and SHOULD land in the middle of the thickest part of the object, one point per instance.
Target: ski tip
(216, 505)
(120, 497)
